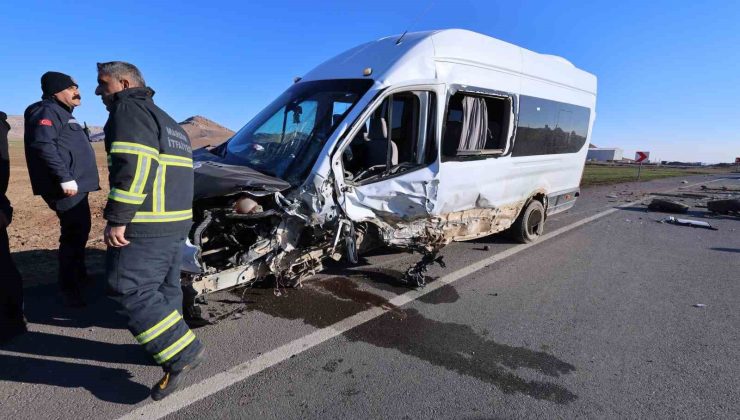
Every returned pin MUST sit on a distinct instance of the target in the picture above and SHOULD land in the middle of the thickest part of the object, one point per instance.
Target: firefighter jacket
(151, 167)
(57, 150)
(4, 166)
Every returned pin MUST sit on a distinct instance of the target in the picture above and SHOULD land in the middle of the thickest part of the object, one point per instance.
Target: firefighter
(12, 322)
(149, 213)
(62, 168)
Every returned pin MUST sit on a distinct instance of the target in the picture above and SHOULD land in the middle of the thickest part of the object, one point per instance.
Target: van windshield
(285, 139)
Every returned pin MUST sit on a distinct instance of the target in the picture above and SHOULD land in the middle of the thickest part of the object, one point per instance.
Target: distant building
(604, 154)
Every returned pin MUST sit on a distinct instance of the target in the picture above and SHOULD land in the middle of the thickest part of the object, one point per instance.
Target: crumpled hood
(217, 176)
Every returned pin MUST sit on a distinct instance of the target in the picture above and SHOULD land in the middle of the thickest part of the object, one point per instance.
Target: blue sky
(669, 71)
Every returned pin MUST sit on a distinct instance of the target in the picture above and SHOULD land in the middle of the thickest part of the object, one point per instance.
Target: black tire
(530, 224)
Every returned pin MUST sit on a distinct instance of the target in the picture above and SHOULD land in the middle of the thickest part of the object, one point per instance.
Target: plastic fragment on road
(699, 305)
(668, 206)
(686, 222)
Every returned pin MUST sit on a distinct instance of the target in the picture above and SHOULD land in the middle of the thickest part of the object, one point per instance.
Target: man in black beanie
(62, 168)
(12, 322)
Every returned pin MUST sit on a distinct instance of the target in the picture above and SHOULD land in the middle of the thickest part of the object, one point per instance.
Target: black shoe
(73, 298)
(171, 381)
(11, 330)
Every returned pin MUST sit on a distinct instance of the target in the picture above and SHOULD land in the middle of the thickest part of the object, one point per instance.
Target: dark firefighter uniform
(12, 322)
(151, 181)
(57, 151)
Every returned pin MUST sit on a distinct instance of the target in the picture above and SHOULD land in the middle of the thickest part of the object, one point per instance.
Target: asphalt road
(596, 321)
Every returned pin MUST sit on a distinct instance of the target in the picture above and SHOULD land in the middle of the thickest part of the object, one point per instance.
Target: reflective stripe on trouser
(144, 278)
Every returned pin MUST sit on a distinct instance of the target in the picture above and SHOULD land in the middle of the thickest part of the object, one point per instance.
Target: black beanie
(53, 82)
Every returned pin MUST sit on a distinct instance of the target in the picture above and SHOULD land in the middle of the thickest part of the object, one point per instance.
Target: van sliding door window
(397, 136)
(549, 127)
(476, 126)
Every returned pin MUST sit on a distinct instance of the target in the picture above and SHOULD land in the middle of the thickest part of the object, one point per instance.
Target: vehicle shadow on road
(455, 347)
(107, 384)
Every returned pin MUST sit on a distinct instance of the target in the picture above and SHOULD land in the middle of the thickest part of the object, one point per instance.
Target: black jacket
(151, 167)
(57, 150)
(4, 166)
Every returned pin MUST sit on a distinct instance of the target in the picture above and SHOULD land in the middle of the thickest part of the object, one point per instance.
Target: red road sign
(640, 156)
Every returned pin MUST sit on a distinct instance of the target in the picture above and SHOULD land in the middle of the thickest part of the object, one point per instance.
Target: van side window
(476, 125)
(548, 127)
(398, 136)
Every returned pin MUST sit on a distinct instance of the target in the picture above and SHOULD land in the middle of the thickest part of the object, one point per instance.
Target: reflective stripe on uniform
(134, 149)
(175, 348)
(128, 197)
(161, 217)
(142, 172)
(174, 160)
(159, 328)
(158, 191)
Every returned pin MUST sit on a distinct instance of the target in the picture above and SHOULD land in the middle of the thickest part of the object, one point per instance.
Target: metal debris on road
(686, 222)
(699, 305)
(668, 206)
(724, 206)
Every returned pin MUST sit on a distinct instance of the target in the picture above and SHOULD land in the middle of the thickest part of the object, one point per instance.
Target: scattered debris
(722, 188)
(699, 305)
(684, 182)
(486, 247)
(668, 206)
(612, 196)
(415, 275)
(686, 222)
(724, 206)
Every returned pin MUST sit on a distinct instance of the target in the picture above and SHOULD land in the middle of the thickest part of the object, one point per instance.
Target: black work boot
(11, 329)
(171, 381)
(73, 298)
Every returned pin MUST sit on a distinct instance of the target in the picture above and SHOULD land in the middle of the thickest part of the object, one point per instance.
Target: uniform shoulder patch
(47, 122)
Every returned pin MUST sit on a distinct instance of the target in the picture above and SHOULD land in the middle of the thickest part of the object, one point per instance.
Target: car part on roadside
(667, 206)
(729, 207)
(416, 275)
(687, 222)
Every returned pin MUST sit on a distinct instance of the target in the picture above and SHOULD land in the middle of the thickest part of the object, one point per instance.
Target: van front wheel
(530, 224)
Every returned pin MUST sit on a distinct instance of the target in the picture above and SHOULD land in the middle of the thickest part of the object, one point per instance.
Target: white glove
(69, 188)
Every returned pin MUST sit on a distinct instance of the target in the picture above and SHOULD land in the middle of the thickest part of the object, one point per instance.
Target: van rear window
(548, 127)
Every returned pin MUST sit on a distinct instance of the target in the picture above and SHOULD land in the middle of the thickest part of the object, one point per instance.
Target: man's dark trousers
(74, 218)
(11, 286)
(144, 278)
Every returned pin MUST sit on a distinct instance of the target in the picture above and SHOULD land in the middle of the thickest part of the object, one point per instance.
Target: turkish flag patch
(46, 122)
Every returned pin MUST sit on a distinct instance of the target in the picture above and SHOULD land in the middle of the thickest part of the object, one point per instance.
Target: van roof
(417, 57)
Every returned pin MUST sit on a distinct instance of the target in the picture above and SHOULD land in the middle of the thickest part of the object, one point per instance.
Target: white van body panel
(471, 60)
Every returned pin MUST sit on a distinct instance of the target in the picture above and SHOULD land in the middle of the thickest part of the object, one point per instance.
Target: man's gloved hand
(69, 188)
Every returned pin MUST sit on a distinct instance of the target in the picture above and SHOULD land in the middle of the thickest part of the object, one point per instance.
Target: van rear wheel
(530, 224)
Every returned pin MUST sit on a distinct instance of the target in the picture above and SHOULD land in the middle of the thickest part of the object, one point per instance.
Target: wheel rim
(534, 223)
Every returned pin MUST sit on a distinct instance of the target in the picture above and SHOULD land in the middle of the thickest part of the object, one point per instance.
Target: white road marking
(223, 380)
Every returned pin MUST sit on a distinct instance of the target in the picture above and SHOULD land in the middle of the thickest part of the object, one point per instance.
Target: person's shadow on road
(108, 384)
(43, 303)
